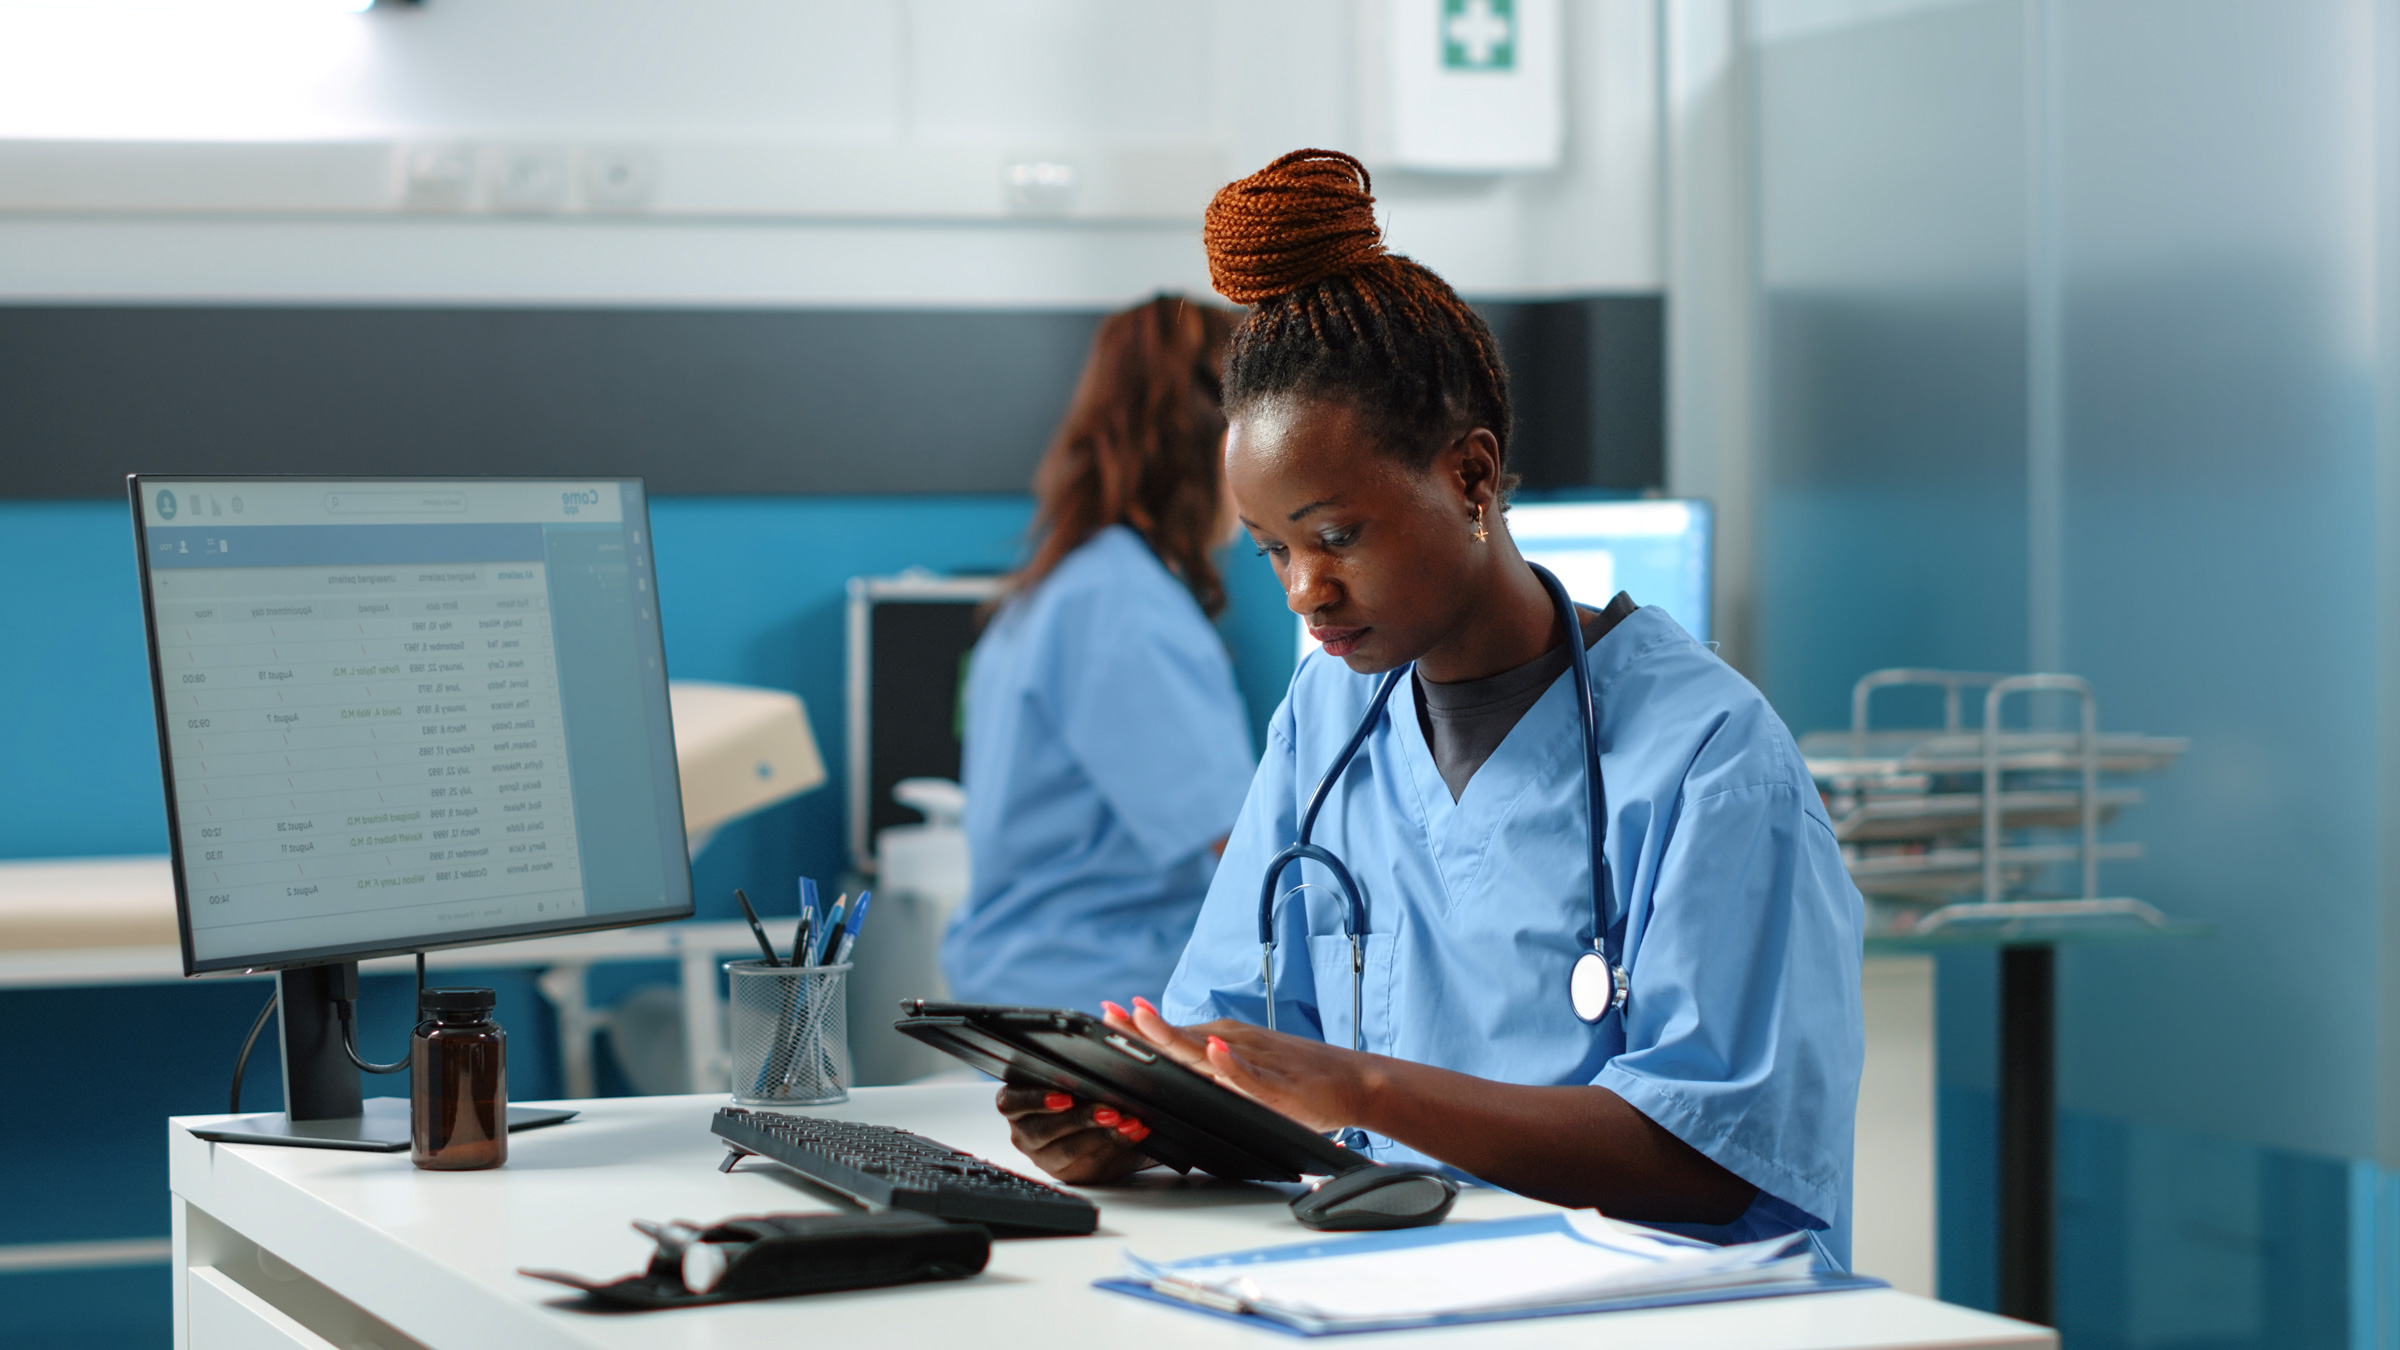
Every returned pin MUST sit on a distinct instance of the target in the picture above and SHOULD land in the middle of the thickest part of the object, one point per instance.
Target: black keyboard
(886, 1168)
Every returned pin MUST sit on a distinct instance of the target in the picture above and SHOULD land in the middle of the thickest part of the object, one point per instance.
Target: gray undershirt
(1465, 722)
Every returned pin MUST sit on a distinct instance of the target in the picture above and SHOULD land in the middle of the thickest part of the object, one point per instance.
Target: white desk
(305, 1248)
(112, 921)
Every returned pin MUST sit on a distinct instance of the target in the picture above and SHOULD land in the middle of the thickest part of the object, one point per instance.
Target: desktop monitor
(910, 637)
(1656, 550)
(396, 715)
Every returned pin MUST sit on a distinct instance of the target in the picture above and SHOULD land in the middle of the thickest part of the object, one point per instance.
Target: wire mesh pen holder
(790, 1034)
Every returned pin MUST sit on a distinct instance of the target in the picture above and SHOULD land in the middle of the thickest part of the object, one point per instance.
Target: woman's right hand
(1080, 1143)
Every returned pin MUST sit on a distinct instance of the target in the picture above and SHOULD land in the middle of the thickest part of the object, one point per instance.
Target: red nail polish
(1120, 1012)
(1058, 1101)
(1218, 1043)
(1144, 1004)
(1103, 1115)
(1136, 1131)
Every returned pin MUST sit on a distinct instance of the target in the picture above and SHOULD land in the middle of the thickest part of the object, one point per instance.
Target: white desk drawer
(225, 1316)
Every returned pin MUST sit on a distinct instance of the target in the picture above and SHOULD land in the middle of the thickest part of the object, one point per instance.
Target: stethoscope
(1596, 984)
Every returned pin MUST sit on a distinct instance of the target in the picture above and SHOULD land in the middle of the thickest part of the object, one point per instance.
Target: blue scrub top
(1106, 751)
(1738, 925)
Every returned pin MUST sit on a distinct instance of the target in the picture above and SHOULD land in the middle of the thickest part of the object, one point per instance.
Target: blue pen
(858, 916)
(808, 921)
(831, 933)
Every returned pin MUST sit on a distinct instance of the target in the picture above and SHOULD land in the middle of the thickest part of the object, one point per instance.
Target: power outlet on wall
(526, 178)
(1038, 185)
(437, 178)
(619, 178)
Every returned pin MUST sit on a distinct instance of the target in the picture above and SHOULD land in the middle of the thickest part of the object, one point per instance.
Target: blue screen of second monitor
(1656, 551)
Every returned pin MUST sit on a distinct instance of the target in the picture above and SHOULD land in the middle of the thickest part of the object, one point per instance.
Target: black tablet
(1194, 1121)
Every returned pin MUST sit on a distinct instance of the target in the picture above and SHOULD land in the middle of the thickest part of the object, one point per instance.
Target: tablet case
(1194, 1122)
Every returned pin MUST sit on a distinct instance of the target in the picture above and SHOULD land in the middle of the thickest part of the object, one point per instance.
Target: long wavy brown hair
(1142, 445)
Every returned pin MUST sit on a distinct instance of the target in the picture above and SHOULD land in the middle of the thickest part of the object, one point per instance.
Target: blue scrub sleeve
(1146, 704)
(1753, 921)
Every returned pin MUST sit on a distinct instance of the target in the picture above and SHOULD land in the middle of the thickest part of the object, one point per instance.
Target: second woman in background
(1107, 750)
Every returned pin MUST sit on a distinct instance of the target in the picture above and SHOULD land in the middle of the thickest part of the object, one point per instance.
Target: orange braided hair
(1335, 314)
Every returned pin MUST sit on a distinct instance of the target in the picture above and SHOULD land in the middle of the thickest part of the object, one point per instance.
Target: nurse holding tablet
(1676, 1040)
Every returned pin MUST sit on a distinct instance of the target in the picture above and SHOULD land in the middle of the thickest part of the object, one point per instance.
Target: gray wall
(715, 401)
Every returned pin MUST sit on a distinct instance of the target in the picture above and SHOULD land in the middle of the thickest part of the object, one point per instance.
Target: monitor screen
(397, 715)
(1657, 551)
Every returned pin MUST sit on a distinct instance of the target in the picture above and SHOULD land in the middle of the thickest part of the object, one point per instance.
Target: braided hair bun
(1307, 216)
(1336, 315)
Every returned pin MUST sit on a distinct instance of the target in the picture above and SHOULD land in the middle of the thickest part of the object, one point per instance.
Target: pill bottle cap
(459, 1000)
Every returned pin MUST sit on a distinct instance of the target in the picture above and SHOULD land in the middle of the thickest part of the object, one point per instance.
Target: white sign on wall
(1463, 86)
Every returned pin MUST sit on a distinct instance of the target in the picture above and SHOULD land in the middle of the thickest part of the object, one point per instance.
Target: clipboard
(1823, 1282)
(1820, 1277)
(1195, 1122)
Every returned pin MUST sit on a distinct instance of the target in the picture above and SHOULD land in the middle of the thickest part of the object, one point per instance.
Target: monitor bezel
(333, 955)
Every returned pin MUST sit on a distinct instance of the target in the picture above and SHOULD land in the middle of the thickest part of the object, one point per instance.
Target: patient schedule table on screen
(367, 695)
(367, 739)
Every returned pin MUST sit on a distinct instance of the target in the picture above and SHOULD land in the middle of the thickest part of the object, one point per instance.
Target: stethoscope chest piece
(1595, 987)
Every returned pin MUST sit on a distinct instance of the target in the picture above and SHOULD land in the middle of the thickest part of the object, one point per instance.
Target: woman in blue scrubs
(1107, 750)
(1367, 454)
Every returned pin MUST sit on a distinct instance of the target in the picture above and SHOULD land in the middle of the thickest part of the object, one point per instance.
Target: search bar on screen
(394, 503)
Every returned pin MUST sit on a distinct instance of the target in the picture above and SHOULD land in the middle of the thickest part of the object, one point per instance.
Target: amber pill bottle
(458, 1082)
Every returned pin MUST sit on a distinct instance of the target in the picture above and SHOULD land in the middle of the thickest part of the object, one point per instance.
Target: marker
(756, 929)
(808, 921)
(858, 916)
(833, 929)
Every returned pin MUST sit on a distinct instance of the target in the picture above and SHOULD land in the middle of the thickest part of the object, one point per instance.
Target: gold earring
(1482, 535)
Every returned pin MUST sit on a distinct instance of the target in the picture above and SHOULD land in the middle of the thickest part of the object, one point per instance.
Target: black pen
(756, 929)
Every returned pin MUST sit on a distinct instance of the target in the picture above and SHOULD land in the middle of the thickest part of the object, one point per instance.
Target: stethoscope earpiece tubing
(1595, 807)
(1595, 786)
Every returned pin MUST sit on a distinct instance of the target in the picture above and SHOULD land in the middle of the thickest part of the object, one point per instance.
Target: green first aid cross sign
(1479, 34)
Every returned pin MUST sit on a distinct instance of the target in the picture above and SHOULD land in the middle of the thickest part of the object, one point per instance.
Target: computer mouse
(1376, 1197)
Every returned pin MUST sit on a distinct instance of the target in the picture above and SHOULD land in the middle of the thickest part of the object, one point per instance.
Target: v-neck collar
(1459, 834)
(1471, 710)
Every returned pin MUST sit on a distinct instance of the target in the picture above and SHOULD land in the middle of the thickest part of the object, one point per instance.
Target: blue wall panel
(79, 755)
(2176, 1238)
(88, 1309)
(753, 591)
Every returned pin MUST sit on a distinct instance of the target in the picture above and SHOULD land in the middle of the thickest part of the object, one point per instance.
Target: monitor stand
(322, 1103)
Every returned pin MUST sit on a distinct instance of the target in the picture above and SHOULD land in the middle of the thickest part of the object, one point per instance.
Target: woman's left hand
(1322, 1087)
